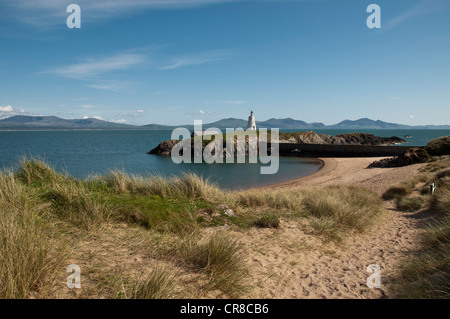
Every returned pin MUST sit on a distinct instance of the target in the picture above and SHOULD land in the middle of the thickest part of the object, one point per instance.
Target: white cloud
(91, 68)
(140, 111)
(121, 121)
(110, 86)
(52, 12)
(422, 8)
(92, 117)
(411, 116)
(196, 59)
(8, 111)
(7, 108)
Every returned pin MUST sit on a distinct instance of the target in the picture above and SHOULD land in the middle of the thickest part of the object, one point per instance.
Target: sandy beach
(289, 263)
(352, 171)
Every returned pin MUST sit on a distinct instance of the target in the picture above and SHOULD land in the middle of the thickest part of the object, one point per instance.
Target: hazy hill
(367, 123)
(52, 122)
(20, 122)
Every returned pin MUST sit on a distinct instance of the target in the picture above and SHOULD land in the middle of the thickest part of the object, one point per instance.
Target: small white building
(251, 122)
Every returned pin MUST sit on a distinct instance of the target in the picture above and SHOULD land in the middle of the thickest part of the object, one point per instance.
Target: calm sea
(86, 153)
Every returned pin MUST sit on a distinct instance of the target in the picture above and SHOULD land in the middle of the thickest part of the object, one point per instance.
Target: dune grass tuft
(343, 208)
(28, 257)
(222, 259)
(188, 185)
(36, 171)
(410, 203)
(278, 199)
(157, 285)
(268, 221)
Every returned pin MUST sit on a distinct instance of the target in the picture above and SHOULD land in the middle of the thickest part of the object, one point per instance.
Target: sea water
(83, 154)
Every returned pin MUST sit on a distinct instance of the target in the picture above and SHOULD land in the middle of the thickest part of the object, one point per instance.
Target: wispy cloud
(110, 85)
(138, 113)
(196, 59)
(53, 12)
(88, 106)
(424, 7)
(90, 68)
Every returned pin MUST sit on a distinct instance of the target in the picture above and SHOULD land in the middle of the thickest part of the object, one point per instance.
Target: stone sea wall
(324, 150)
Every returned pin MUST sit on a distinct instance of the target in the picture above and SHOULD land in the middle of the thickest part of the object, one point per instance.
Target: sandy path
(287, 263)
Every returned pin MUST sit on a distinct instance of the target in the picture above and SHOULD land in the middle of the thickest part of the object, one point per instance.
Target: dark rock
(310, 137)
(164, 148)
(411, 156)
(369, 139)
(342, 139)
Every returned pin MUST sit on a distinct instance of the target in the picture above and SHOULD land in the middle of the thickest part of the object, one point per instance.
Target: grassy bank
(427, 273)
(175, 229)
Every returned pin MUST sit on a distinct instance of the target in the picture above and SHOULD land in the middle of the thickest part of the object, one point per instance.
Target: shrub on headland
(439, 146)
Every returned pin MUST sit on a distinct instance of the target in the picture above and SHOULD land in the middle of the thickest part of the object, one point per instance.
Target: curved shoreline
(350, 171)
(328, 165)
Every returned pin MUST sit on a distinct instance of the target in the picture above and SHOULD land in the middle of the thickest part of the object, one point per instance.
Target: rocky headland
(437, 147)
(165, 148)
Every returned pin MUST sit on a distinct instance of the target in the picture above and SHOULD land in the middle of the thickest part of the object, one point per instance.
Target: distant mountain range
(20, 122)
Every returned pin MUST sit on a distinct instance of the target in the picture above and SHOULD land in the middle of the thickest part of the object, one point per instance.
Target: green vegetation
(268, 221)
(439, 146)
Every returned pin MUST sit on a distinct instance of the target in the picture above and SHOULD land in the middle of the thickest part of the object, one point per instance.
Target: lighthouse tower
(251, 122)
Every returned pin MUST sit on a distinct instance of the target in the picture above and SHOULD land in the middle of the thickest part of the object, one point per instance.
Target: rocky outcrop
(342, 139)
(437, 147)
(309, 138)
(164, 148)
(411, 156)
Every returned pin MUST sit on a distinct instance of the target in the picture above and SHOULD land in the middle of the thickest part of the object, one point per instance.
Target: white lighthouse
(251, 122)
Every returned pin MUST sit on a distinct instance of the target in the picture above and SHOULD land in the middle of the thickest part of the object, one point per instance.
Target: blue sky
(173, 61)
